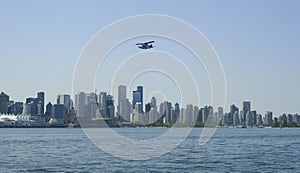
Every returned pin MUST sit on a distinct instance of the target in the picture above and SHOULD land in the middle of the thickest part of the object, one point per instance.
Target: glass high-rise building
(246, 109)
(137, 96)
(40, 103)
(58, 113)
(4, 99)
(102, 104)
(176, 113)
(188, 114)
(65, 100)
(125, 110)
(234, 115)
(268, 118)
(121, 96)
(110, 107)
(80, 102)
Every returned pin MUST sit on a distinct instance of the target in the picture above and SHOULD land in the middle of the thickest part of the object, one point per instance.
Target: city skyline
(256, 42)
(71, 99)
(123, 98)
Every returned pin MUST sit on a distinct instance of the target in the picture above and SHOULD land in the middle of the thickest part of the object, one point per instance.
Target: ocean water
(229, 150)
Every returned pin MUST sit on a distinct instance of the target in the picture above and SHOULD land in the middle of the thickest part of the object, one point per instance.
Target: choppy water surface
(230, 150)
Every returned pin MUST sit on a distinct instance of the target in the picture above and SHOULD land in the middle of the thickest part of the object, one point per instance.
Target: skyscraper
(102, 104)
(254, 120)
(31, 106)
(137, 113)
(151, 111)
(205, 113)
(166, 110)
(147, 107)
(110, 108)
(65, 100)
(153, 103)
(4, 99)
(80, 102)
(138, 96)
(236, 120)
(259, 121)
(125, 110)
(176, 113)
(58, 113)
(189, 113)
(18, 108)
(220, 113)
(49, 112)
(210, 115)
(40, 102)
(246, 109)
(200, 116)
(249, 118)
(233, 118)
(196, 112)
(268, 118)
(121, 96)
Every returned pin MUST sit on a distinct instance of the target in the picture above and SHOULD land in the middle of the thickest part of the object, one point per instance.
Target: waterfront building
(297, 119)
(200, 116)
(153, 115)
(125, 110)
(182, 115)
(27, 109)
(4, 99)
(40, 103)
(220, 113)
(283, 120)
(30, 107)
(176, 113)
(289, 118)
(161, 108)
(236, 120)
(147, 107)
(137, 97)
(153, 103)
(259, 120)
(137, 112)
(49, 112)
(166, 111)
(205, 114)
(195, 114)
(110, 106)
(18, 108)
(189, 113)
(65, 100)
(246, 109)
(210, 118)
(58, 113)
(80, 102)
(103, 105)
(91, 105)
(15, 120)
(121, 96)
(268, 118)
(275, 121)
(249, 118)
(232, 120)
(254, 117)
(225, 120)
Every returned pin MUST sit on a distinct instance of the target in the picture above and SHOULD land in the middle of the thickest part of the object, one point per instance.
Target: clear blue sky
(257, 42)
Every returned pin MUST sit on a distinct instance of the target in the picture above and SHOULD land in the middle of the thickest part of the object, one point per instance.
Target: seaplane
(145, 45)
